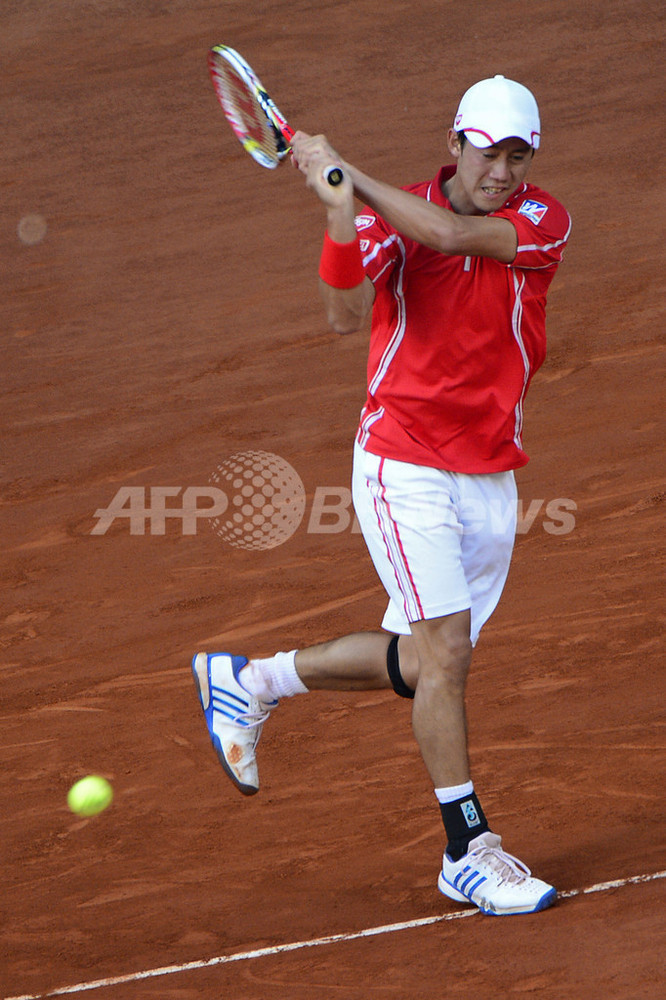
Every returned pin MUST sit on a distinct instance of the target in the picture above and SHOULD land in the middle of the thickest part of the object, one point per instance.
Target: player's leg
(444, 652)
(441, 556)
(412, 527)
(484, 874)
(357, 662)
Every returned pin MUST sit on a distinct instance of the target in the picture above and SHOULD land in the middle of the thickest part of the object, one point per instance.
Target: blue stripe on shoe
(221, 701)
(225, 692)
(470, 878)
(460, 875)
(477, 885)
(222, 693)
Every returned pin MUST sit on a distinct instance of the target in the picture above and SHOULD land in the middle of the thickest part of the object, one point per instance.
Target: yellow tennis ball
(90, 796)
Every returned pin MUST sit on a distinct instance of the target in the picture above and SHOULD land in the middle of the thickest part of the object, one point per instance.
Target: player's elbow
(345, 323)
(347, 310)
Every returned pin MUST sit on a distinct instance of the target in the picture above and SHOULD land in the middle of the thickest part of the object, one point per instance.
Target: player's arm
(418, 219)
(346, 307)
(434, 226)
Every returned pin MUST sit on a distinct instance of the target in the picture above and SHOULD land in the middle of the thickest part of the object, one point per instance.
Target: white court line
(279, 949)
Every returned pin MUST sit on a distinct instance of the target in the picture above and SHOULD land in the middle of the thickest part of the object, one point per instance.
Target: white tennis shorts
(440, 541)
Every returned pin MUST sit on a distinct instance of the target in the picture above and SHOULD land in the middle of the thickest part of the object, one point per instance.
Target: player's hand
(313, 155)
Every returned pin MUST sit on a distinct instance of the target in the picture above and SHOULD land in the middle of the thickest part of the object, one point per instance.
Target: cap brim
(482, 140)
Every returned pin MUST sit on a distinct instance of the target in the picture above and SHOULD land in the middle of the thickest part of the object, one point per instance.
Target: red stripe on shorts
(394, 545)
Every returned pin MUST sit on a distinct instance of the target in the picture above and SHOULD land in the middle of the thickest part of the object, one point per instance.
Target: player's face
(486, 178)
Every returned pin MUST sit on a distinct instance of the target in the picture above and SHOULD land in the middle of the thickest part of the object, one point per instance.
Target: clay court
(160, 315)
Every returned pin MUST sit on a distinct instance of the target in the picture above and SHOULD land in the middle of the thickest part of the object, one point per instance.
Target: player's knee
(444, 664)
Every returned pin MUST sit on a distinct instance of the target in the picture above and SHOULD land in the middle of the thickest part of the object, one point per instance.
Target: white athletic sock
(273, 678)
(454, 792)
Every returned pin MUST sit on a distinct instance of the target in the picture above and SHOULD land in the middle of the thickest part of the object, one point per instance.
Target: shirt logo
(363, 221)
(534, 211)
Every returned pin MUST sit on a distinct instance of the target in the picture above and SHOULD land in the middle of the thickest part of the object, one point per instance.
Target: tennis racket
(257, 123)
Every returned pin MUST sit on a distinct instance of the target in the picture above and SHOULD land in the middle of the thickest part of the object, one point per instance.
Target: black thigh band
(393, 667)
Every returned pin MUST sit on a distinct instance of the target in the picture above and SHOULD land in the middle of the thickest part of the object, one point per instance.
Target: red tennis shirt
(455, 340)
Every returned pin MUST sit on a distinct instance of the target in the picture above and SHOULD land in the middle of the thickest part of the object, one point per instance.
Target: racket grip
(334, 176)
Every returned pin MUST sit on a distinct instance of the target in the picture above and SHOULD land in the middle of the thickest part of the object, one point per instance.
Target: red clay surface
(169, 319)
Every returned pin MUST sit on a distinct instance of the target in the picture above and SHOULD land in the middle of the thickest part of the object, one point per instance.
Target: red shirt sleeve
(543, 226)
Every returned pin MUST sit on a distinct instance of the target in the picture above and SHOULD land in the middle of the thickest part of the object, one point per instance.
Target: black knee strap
(393, 668)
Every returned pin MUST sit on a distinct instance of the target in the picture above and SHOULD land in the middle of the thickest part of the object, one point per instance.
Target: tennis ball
(90, 796)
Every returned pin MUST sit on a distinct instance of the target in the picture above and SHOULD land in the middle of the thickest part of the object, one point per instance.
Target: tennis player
(454, 272)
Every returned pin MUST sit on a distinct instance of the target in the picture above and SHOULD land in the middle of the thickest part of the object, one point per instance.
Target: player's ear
(454, 144)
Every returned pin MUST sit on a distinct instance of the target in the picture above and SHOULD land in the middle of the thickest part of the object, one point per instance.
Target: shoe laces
(251, 720)
(509, 868)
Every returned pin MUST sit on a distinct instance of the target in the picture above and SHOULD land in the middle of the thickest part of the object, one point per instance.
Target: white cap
(497, 109)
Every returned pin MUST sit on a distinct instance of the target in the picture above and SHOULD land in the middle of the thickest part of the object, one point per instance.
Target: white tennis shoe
(233, 716)
(493, 880)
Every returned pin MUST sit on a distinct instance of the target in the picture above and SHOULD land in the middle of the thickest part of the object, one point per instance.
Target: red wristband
(341, 265)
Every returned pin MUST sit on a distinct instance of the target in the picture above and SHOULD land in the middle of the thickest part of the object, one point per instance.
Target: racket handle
(334, 176)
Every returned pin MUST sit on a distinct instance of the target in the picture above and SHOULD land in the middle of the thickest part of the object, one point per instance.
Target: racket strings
(280, 142)
(245, 107)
